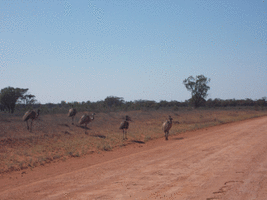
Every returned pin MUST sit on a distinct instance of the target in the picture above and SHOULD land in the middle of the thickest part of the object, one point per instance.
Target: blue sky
(135, 49)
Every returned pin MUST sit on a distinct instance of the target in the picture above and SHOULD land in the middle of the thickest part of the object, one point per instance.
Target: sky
(87, 50)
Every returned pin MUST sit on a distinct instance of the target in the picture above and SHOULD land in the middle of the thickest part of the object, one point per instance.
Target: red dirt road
(223, 162)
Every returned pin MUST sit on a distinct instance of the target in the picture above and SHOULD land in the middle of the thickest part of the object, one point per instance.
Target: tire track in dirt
(224, 162)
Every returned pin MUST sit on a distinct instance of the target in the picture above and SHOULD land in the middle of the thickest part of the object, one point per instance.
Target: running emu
(30, 114)
(72, 113)
(86, 119)
(166, 126)
(124, 126)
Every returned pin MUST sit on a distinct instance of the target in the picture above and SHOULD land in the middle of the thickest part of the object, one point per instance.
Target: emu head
(128, 118)
(93, 116)
(170, 118)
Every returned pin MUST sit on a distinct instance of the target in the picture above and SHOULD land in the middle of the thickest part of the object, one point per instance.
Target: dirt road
(223, 162)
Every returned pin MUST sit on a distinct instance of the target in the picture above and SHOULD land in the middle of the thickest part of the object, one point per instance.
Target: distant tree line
(18, 99)
(113, 104)
(236, 102)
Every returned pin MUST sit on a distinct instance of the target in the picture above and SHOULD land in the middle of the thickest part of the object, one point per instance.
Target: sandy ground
(223, 162)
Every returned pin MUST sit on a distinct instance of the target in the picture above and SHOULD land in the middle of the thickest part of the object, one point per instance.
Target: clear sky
(136, 49)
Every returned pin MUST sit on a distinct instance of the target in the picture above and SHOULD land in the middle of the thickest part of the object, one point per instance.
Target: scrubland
(54, 138)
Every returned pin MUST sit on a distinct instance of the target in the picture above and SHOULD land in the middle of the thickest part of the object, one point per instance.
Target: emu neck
(37, 115)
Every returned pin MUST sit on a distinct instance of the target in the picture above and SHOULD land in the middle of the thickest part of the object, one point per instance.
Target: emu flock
(86, 119)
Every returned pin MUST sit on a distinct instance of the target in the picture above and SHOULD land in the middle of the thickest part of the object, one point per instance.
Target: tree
(198, 87)
(113, 101)
(27, 99)
(10, 95)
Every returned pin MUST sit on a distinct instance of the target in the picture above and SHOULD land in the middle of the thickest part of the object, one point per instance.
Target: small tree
(10, 95)
(198, 87)
(27, 99)
(112, 101)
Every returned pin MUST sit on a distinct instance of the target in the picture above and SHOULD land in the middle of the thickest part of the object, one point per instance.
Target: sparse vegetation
(53, 139)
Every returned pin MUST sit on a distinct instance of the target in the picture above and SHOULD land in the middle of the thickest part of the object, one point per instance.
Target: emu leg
(126, 134)
(85, 128)
(72, 121)
(166, 135)
(31, 125)
(27, 125)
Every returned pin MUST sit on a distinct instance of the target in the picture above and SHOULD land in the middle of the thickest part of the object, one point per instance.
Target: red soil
(223, 162)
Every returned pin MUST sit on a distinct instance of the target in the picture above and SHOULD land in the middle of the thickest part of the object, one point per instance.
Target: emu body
(166, 126)
(124, 126)
(30, 114)
(72, 113)
(86, 119)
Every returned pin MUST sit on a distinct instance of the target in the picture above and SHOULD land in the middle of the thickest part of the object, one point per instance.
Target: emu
(166, 126)
(72, 113)
(30, 114)
(86, 119)
(124, 126)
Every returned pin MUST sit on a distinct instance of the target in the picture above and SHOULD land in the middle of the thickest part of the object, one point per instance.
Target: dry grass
(55, 138)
